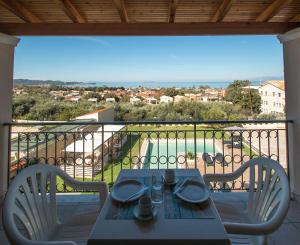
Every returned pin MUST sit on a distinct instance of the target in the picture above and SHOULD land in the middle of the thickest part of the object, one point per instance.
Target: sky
(130, 59)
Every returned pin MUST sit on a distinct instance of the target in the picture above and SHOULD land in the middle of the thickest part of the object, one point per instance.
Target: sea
(160, 84)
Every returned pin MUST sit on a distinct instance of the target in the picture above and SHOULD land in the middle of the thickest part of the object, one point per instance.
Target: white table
(175, 231)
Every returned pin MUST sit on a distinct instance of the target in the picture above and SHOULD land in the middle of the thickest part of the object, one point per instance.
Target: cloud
(96, 40)
(244, 42)
(173, 56)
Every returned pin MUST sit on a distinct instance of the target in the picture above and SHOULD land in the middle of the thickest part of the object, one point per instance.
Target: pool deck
(68, 205)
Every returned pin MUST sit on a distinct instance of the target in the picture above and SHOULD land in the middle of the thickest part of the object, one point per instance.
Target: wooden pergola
(148, 17)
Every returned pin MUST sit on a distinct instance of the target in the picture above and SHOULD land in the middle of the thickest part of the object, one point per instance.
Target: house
(165, 99)
(193, 97)
(75, 93)
(253, 87)
(74, 98)
(272, 97)
(57, 94)
(209, 98)
(19, 91)
(110, 100)
(180, 98)
(135, 100)
(95, 100)
(151, 101)
(102, 115)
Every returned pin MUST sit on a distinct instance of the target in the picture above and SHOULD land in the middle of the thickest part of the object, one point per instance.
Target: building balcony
(93, 151)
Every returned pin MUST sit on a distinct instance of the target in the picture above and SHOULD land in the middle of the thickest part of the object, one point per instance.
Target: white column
(291, 53)
(7, 46)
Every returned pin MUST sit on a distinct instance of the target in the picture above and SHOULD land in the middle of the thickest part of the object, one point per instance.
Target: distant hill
(43, 82)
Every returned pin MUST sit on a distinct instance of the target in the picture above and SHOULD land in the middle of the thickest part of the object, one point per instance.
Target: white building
(252, 87)
(75, 98)
(102, 115)
(135, 100)
(272, 97)
(110, 100)
(95, 100)
(151, 101)
(209, 98)
(165, 99)
(180, 98)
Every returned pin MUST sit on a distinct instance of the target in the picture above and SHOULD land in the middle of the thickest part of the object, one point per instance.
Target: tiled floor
(68, 205)
(289, 232)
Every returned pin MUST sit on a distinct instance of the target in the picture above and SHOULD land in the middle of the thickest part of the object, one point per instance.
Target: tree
(234, 91)
(172, 92)
(93, 95)
(112, 95)
(215, 113)
(271, 116)
(125, 98)
(251, 100)
(248, 98)
(22, 105)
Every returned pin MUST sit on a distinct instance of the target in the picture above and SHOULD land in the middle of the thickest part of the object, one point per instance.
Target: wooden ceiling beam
(295, 18)
(121, 7)
(222, 10)
(272, 10)
(172, 10)
(147, 29)
(71, 11)
(18, 9)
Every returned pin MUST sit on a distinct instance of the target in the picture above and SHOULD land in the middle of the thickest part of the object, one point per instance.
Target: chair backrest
(268, 192)
(31, 199)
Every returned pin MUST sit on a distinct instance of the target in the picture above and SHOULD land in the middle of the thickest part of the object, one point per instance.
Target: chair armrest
(99, 186)
(225, 177)
(250, 229)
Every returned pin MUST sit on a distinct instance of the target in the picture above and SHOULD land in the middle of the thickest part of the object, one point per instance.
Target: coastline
(158, 84)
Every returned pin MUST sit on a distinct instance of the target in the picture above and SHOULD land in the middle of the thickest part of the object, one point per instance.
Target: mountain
(43, 82)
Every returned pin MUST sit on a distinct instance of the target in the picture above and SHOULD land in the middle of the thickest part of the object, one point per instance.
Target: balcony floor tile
(69, 205)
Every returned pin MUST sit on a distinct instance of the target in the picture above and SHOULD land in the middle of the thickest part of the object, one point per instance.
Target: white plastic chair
(264, 206)
(30, 206)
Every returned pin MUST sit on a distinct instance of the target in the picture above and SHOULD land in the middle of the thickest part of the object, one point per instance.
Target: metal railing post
(8, 154)
(288, 148)
(215, 142)
(102, 153)
(195, 144)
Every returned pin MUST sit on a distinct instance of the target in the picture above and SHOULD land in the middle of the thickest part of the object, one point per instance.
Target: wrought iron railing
(92, 151)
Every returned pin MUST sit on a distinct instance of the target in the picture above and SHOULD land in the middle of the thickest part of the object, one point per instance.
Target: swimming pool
(172, 153)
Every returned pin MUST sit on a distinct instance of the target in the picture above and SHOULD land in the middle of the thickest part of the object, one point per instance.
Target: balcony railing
(92, 151)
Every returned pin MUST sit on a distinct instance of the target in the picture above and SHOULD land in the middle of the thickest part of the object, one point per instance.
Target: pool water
(171, 155)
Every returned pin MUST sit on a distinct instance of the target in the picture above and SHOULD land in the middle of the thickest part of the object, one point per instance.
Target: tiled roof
(276, 83)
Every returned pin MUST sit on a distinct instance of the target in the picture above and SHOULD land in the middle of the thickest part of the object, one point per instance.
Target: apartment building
(272, 97)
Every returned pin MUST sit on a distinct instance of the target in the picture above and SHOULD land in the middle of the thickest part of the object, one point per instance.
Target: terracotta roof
(276, 83)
